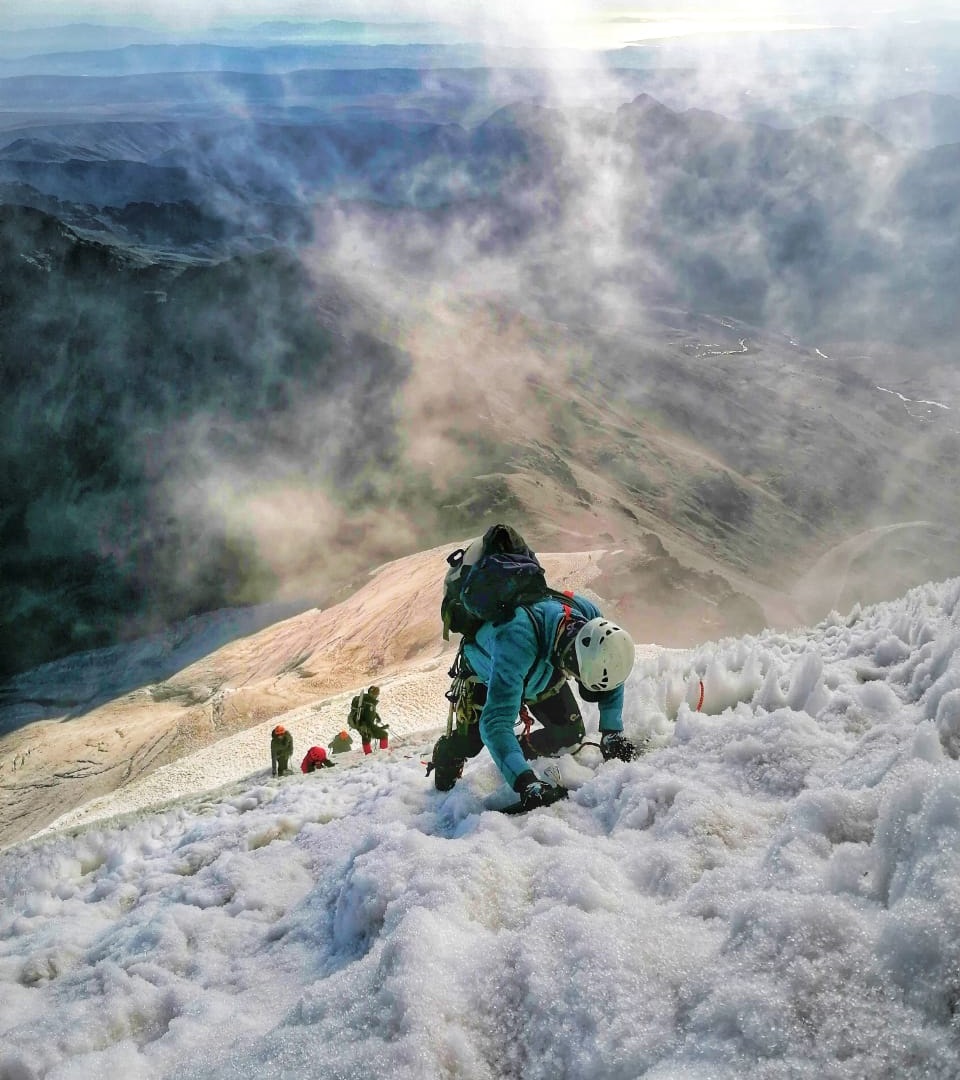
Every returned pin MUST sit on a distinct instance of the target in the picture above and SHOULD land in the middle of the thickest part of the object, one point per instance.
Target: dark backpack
(363, 709)
(505, 576)
(368, 709)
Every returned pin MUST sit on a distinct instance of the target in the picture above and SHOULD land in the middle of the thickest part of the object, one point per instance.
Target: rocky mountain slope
(78, 729)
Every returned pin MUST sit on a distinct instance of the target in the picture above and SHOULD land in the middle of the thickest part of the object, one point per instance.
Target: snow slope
(772, 891)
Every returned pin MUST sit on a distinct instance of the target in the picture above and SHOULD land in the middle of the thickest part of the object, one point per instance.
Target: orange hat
(279, 730)
(343, 735)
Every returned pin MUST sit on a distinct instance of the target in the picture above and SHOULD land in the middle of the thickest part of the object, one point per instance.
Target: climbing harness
(464, 708)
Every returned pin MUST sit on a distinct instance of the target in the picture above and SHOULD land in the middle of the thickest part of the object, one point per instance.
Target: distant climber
(316, 759)
(281, 750)
(341, 743)
(365, 718)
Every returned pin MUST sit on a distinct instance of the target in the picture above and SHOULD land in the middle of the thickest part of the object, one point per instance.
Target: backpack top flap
(506, 575)
(488, 580)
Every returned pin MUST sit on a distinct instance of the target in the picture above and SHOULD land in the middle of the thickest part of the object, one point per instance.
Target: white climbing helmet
(465, 556)
(449, 605)
(605, 654)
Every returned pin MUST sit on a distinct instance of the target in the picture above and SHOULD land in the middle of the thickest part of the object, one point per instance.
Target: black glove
(540, 793)
(614, 745)
(328, 764)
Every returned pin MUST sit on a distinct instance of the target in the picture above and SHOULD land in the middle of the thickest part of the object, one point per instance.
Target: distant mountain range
(19, 44)
(29, 47)
(821, 229)
(150, 59)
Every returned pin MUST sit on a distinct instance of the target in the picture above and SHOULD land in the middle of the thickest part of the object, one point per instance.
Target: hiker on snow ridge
(526, 661)
(281, 750)
(365, 718)
(341, 743)
(316, 759)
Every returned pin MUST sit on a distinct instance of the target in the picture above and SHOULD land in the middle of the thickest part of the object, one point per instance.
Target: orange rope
(527, 721)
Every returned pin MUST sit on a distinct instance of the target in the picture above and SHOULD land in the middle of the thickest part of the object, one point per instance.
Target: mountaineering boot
(614, 745)
(446, 767)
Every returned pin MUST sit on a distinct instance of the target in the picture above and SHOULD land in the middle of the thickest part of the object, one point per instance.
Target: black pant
(562, 724)
(559, 714)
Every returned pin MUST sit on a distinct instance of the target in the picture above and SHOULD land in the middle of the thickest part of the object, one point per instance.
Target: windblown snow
(772, 890)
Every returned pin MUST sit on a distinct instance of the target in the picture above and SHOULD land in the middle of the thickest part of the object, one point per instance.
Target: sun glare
(639, 27)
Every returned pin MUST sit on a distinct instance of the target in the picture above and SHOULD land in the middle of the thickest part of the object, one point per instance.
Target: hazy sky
(578, 23)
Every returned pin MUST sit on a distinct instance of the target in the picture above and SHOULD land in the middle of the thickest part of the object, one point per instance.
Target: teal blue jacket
(515, 660)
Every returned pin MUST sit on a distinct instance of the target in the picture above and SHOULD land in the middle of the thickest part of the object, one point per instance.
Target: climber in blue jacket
(527, 661)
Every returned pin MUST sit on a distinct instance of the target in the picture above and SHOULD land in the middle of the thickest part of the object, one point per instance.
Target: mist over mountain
(384, 300)
(817, 229)
(131, 374)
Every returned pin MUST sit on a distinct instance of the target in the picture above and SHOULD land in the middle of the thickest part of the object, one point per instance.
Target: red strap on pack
(564, 619)
(567, 610)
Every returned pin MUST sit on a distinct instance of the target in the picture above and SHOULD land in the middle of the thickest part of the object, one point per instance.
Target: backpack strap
(568, 600)
(567, 615)
(536, 634)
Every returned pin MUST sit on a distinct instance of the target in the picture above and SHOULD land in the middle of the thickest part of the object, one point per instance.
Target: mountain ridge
(93, 723)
